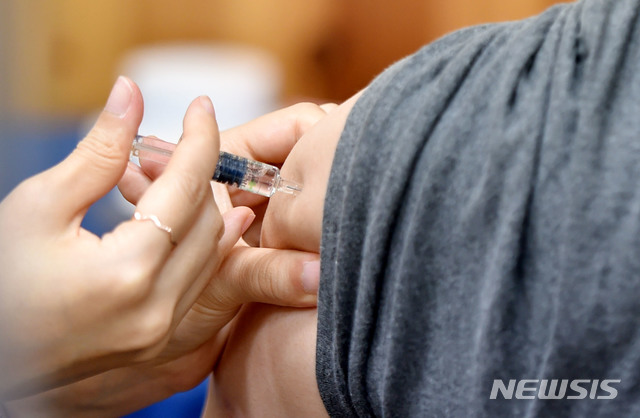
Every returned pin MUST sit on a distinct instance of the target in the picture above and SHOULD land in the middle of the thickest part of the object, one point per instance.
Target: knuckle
(263, 276)
(99, 148)
(155, 326)
(304, 107)
(304, 115)
(151, 331)
(134, 281)
(254, 276)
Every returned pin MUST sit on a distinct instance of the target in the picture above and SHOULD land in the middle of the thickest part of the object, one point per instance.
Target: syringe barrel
(248, 175)
(251, 176)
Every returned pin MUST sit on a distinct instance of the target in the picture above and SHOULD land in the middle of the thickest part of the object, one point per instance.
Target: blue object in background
(29, 148)
(32, 147)
(187, 404)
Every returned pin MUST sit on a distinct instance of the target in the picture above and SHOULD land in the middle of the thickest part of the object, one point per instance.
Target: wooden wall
(61, 54)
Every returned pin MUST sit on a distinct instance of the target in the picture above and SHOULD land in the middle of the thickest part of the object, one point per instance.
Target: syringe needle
(289, 187)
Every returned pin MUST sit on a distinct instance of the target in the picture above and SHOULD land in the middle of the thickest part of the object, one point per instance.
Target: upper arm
(296, 222)
(268, 365)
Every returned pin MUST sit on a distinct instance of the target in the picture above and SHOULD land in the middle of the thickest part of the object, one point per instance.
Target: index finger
(271, 137)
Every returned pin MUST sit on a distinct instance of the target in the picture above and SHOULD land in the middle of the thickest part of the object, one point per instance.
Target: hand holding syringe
(248, 175)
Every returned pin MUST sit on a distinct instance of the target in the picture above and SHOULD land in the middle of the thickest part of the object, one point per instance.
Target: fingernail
(120, 98)
(311, 276)
(134, 167)
(208, 105)
(248, 222)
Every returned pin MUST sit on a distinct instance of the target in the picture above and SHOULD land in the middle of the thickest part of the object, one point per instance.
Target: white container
(242, 82)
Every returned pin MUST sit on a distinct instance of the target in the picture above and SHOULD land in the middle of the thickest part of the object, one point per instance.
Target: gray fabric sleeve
(482, 222)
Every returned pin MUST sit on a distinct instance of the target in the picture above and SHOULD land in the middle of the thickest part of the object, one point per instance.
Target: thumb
(100, 159)
(273, 276)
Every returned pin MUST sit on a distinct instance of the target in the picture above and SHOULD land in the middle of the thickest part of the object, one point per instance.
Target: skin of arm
(268, 364)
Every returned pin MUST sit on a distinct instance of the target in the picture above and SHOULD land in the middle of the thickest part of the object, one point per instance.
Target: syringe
(248, 175)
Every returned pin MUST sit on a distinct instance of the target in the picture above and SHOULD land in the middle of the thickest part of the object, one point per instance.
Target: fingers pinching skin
(270, 138)
(282, 277)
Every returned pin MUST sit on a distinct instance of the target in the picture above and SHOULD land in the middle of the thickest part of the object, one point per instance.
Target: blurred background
(59, 59)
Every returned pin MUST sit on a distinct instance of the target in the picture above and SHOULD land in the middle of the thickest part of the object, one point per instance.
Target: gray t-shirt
(481, 228)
